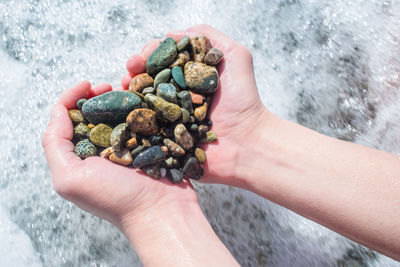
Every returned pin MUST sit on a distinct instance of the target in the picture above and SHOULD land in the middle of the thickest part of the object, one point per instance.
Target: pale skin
(351, 189)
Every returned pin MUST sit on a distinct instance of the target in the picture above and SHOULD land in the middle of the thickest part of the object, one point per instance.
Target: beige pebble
(123, 158)
(131, 143)
(106, 152)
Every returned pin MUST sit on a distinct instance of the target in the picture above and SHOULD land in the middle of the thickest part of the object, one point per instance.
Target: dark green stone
(152, 170)
(183, 42)
(186, 101)
(162, 57)
(167, 91)
(149, 156)
(111, 107)
(80, 103)
(155, 139)
(162, 77)
(177, 75)
(85, 149)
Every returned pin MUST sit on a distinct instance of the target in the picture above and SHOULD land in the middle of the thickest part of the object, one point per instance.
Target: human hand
(236, 107)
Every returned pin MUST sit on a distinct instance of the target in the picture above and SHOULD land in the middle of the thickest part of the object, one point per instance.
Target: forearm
(177, 237)
(351, 189)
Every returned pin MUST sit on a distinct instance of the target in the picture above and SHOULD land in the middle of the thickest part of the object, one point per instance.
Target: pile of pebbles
(159, 122)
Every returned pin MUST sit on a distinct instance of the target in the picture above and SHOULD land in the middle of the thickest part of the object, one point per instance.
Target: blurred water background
(330, 65)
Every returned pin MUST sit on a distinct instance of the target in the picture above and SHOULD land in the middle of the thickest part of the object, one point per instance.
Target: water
(330, 65)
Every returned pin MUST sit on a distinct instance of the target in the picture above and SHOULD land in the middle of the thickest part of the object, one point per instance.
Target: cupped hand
(116, 193)
(236, 108)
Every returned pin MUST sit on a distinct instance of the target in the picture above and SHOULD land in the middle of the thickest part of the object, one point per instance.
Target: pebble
(194, 127)
(165, 150)
(163, 172)
(177, 75)
(201, 112)
(185, 115)
(183, 137)
(111, 107)
(200, 46)
(100, 135)
(192, 119)
(131, 143)
(181, 59)
(164, 109)
(85, 149)
(213, 57)
(175, 176)
(119, 135)
(142, 121)
(183, 42)
(186, 100)
(201, 78)
(203, 129)
(80, 103)
(167, 91)
(155, 139)
(136, 151)
(200, 155)
(76, 116)
(211, 137)
(91, 126)
(169, 162)
(81, 131)
(139, 82)
(146, 143)
(162, 56)
(193, 169)
(148, 90)
(122, 158)
(175, 149)
(149, 156)
(196, 98)
(106, 152)
(162, 77)
(152, 170)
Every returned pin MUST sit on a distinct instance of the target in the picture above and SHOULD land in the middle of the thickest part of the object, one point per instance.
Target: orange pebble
(196, 98)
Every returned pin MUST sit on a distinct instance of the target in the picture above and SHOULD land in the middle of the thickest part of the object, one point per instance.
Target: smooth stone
(203, 129)
(111, 107)
(80, 103)
(201, 112)
(119, 135)
(169, 162)
(200, 46)
(155, 139)
(136, 151)
(201, 78)
(148, 90)
(131, 143)
(192, 119)
(183, 42)
(122, 158)
(186, 100)
(213, 57)
(91, 126)
(142, 121)
(181, 59)
(162, 77)
(164, 109)
(149, 156)
(138, 94)
(100, 135)
(200, 155)
(183, 137)
(175, 149)
(175, 176)
(193, 169)
(146, 143)
(162, 56)
(140, 81)
(85, 149)
(194, 127)
(106, 152)
(163, 172)
(81, 131)
(152, 170)
(179, 78)
(76, 116)
(185, 115)
(196, 98)
(167, 91)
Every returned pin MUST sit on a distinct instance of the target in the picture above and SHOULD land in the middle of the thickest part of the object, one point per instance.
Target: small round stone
(131, 143)
(194, 127)
(183, 137)
(185, 115)
(201, 112)
(91, 126)
(152, 170)
(155, 139)
(213, 57)
(149, 156)
(200, 155)
(122, 158)
(183, 42)
(177, 75)
(81, 131)
(162, 56)
(76, 116)
(163, 172)
(146, 143)
(140, 81)
(142, 121)
(85, 149)
(165, 150)
(201, 78)
(100, 135)
(162, 77)
(175, 149)
(80, 103)
(136, 151)
(167, 91)
(107, 152)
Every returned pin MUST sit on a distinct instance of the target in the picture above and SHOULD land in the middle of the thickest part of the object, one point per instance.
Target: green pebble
(211, 136)
(185, 115)
(148, 90)
(167, 91)
(162, 57)
(183, 42)
(194, 127)
(177, 75)
(82, 131)
(162, 77)
(100, 135)
(85, 149)
(80, 103)
(186, 101)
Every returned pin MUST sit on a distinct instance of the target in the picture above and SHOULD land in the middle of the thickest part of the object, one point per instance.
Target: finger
(135, 65)
(125, 81)
(150, 47)
(117, 89)
(101, 89)
(69, 97)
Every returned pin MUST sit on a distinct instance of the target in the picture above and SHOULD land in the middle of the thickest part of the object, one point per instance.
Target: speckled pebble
(183, 42)
(122, 157)
(201, 112)
(164, 109)
(119, 135)
(183, 137)
(201, 78)
(193, 169)
(80, 103)
(152, 170)
(162, 77)
(162, 56)
(200, 155)
(167, 91)
(100, 135)
(81, 131)
(200, 46)
(149, 156)
(174, 148)
(85, 149)
(213, 57)
(140, 81)
(142, 121)
(148, 90)
(186, 100)
(76, 116)
(185, 115)
(131, 143)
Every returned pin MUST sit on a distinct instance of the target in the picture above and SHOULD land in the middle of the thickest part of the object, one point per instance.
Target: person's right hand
(236, 108)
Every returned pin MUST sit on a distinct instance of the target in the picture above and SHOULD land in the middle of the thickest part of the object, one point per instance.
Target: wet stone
(165, 150)
(175, 149)
(136, 151)
(169, 162)
(163, 172)
(142, 121)
(80, 103)
(76, 116)
(100, 135)
(106, 152)
(193, 169)
(196, 98)
(111, 107)
(194, 128)
(203, 129)
(91, 126)
(201, 112)
(167, 91)
(162, 77)
(81, 131)
(186, 100)
(85, 149)
(119, 135)
(200, 46)
(155, 139)
(183, 137)
(162, 57)
(183, 42)
(200, 155)
(181, 59)
(122, 158)
(210, 137)
(131, 143)
(201, 78)
(164, 109)
(148, 90)
(185, 115)
(213, 57)
(152, 170)
(175, 176)
(146, 143)
(149, 156)
(177, 75)
(139, 82)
